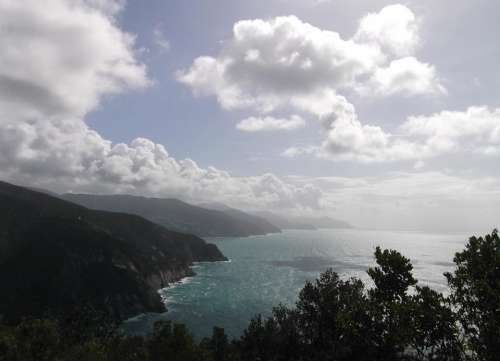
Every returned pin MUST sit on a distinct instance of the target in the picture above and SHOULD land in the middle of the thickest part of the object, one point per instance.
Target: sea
(265, 271)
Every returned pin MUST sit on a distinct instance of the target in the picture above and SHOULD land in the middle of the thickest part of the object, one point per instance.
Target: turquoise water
(265, 271)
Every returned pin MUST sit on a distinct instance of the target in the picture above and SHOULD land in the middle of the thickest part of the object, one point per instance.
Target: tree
(434, 331)
(333, 318)
(173, 342)
(392, 277)
(475, 293)
(389, 304)
(330, 322)
(34, 340)
(217, 346)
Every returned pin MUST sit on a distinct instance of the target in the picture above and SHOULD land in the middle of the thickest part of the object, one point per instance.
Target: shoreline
(143, 323)
(185, 280)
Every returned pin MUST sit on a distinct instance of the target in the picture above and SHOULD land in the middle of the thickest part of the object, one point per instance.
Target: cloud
(429, 200)
(267, 124)
(394, 29)
(293, 152)
(284, 63)
(81, 57)
(348, 139)
(160, 39)
(473, 131)
(267, 63)
(68, 155)
(59, 58)
(109, 7)
(406, 76)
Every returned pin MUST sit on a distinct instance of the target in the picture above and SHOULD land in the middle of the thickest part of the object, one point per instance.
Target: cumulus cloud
(287, 63)
(394, 28)
(406, 76)
(348, 139)
(267, 124)
(82, 56)
(61, 58)
(473, 131)
(269, 62)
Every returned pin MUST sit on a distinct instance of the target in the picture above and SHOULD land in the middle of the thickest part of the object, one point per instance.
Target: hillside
(260, 224)
(55, 255)
(178, 215)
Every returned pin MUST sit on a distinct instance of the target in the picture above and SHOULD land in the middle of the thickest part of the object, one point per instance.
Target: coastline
(142, 324)
(185, 279)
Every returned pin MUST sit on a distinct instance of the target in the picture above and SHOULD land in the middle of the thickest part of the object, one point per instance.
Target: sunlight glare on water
(265, 271)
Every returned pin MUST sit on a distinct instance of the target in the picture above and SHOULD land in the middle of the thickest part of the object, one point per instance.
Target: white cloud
(81, 56)
(270, 63)
(61, 58)
(160, 39)
(473, 131)
(284, 63)
(406, 76)
(394, 28)
(293, 152)
(266, 124)
(67, 155)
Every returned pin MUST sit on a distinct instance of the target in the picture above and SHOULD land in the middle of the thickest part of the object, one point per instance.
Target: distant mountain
(262, 225)
(291, 222)
(284, 222)
(55, 255)
(180, 216)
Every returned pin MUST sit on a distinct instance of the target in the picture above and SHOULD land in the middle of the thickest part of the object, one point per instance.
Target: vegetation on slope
(180, 216)
(334, 319)
(55, 255)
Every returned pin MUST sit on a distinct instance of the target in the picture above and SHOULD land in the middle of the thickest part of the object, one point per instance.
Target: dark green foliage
(172, 342)
(389, 304)
(392, 276)
(435, 333)
(475, 287)
(218, 346)
(35, 340)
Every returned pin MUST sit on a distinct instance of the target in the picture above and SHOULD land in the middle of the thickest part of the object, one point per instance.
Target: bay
(265, 271)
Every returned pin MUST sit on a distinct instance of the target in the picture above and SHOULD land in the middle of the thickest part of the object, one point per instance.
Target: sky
(381, 113)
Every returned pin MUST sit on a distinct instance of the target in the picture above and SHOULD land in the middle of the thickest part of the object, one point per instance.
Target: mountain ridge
(175, 214)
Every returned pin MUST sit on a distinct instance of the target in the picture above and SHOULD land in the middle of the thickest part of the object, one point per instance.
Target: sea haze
(265, 271)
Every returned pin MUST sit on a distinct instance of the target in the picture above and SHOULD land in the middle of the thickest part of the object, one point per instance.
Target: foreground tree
(475, 294)
(330, 322)
(389, 304)
(434, 332)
